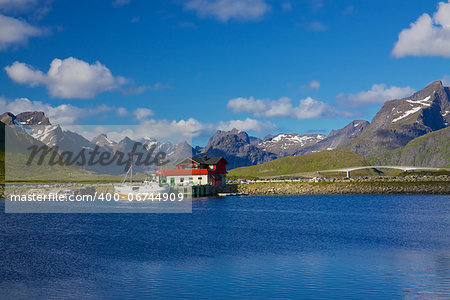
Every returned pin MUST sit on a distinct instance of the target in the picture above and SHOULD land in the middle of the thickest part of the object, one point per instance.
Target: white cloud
(307, 108)
(247, 125)
(61, 114)
(379, 93)
(143, 113)
(64, 114)
(122, 111)
(446, 80)
(428, 36)
(174, 130)
(179, 130)
(16, 32)
(224, 10)
(192, 128)
(68, 78)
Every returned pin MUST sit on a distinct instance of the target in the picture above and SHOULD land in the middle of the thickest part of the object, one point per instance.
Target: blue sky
(201, 65)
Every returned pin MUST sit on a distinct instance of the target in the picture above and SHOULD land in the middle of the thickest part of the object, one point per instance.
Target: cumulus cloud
(180, 130)
(60, 114)
(307, 108)
(225, 10)
(379, 93)
(68, 78)
(247, 125)
(428, 36)
(191, 127)
(174, 130)
(16, 32)
(143, 113)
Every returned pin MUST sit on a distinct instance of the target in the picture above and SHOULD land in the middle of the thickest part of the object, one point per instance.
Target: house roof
(205, 160)
(183, 172)
(208, 160)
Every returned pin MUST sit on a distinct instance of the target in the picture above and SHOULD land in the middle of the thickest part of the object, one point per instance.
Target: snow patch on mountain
(422, 102)
(287, 144)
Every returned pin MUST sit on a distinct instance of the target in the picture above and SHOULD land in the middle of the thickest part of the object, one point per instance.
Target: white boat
(140, 190)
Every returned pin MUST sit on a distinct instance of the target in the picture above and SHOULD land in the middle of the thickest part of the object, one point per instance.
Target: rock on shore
(348, 187)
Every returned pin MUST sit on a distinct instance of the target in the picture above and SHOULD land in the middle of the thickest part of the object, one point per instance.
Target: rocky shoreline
(369, 185)
(411, 184)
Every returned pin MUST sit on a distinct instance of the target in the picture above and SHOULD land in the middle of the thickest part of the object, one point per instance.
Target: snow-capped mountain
(25, 118)
(39, 127)
(400, 121)
(173, 152)
(288, 144)
(102, 140)
(396, 124)
(337, 137)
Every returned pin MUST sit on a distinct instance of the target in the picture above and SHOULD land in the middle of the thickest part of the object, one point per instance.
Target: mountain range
(400, 121)
(411, 131)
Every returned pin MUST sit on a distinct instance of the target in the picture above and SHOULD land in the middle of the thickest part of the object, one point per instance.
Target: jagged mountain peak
(351, 129)
(33, 118)
(102, 140)
(400, 121)
(227, 136)
(337, 137)
(235, 131)
(237, 148)
(427, 109)
(25, 118)
(287, 144)
(126, 140)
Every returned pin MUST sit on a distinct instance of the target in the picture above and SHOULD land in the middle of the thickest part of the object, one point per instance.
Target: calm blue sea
(352, 246)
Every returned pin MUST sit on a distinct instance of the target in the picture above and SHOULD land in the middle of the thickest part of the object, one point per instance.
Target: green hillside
(429, 150)
(13, 162)
(295, 165)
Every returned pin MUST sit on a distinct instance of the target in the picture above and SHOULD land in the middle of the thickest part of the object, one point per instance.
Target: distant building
(197, 171)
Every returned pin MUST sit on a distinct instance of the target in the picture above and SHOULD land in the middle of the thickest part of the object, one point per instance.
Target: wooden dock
(206, 190)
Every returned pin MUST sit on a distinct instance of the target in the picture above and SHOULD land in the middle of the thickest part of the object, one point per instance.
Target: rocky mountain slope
(16, 157)
(397, 125)
(102, 140)
(25, 118)
(237, 148)
(400, 121)
(42, 130)
(174, 152)
(288, 144)
(429, 150)
(337, 138)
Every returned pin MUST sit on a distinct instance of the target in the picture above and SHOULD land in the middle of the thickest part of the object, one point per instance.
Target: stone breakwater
(410, 185)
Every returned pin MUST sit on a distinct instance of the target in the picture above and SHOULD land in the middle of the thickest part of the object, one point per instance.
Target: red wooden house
(197, 171)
